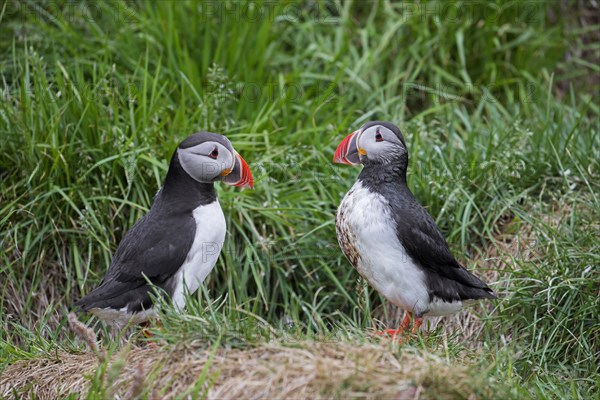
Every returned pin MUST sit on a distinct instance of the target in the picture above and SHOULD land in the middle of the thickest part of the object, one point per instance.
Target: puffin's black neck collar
(183, 192)
(379, 174)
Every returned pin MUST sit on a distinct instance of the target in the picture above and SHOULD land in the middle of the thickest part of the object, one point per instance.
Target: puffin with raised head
(177, 243)
(390, 239)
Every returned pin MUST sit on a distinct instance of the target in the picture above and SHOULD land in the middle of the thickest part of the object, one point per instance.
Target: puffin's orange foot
(395, 334)
(391, 332)
(146, 332)
(403, 328)
(416, 325)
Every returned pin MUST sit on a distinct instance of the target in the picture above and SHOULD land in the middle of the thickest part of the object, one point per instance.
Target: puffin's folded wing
(426, 245)
(148, 252)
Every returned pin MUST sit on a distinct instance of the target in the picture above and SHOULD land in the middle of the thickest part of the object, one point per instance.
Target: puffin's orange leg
(417, 322)
(148, 334)
(401, 329)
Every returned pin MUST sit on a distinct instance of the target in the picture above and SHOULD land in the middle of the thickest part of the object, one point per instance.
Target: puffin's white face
(373, 142)
(208, 157)
(378, 143)
(206, 161)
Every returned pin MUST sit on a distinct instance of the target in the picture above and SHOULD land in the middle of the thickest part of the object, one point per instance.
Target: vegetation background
(499, 102)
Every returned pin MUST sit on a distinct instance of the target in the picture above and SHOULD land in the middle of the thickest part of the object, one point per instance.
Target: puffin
(177, 243)
(391, 240)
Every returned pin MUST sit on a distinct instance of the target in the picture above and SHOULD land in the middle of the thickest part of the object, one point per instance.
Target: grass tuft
(300, 369)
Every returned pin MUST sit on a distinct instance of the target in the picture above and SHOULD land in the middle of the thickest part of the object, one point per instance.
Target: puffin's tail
(116, 295)
(466, 285)
(85, 303)
(473, 293)
(109, 294)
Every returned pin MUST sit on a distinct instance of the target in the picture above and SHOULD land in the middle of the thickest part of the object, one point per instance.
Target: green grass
(499, 105)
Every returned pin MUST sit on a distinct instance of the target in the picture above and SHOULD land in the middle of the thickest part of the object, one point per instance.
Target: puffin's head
(376, 142)
(210, 157)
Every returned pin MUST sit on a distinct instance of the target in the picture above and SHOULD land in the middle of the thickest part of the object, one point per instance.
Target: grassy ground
(499, 105)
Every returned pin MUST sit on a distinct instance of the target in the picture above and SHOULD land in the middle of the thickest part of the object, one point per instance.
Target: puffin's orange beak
(240, 175)
(347, 151)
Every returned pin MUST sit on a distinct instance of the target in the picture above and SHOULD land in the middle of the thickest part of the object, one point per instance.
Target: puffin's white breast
(365, 218)
(205, 250)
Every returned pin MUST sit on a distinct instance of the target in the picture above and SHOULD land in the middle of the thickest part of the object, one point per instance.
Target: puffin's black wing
(151, 250)
(426, 245)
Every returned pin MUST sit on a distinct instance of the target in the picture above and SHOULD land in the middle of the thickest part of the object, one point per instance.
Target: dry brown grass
(515, 243)
(503, 255)
(300, 370)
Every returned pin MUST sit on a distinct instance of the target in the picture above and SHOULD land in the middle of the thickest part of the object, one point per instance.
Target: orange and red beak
(240, 175)
(347, 151)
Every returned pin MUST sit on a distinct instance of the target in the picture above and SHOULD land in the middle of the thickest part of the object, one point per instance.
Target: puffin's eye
(214, 154)
(378, 137)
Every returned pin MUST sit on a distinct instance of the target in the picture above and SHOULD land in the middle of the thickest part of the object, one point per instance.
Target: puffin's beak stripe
(239, 174)
(246, 180)
(227, 171)
(346, 152)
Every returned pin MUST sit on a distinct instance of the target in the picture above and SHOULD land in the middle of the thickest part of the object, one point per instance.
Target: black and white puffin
(177, 243)
(390, 239)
